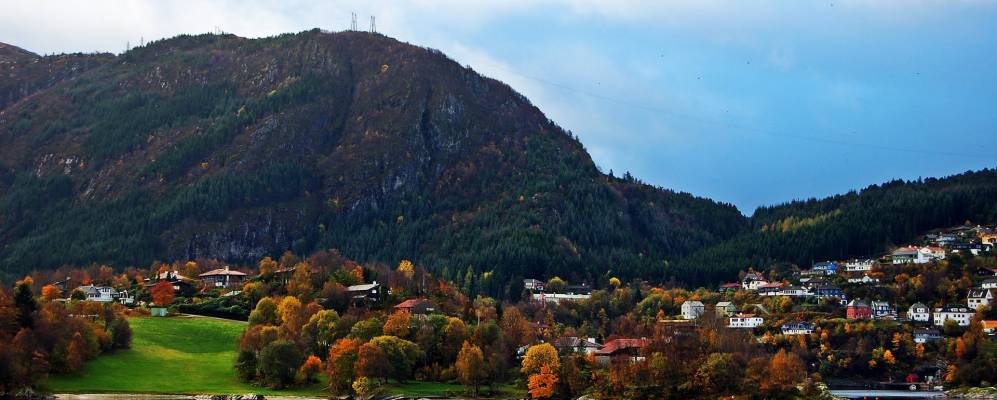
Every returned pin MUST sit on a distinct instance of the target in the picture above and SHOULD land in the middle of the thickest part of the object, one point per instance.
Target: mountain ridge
(219, 146)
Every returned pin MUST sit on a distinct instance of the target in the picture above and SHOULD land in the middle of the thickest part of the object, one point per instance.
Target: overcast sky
(747, 102)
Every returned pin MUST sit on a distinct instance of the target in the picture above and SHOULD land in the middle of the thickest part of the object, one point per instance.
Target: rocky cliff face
(219, 146)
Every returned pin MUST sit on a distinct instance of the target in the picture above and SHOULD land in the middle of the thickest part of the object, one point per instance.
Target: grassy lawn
(178, 355)
(416, 389)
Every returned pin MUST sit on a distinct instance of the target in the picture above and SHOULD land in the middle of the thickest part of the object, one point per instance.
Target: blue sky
(751, 103)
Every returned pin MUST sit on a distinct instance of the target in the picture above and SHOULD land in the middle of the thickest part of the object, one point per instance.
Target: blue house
(826, 268)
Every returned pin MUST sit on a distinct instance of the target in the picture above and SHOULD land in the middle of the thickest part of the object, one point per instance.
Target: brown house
(417, 306)
(222, 277)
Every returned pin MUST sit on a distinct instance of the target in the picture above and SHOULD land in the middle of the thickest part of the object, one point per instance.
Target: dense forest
(857, 224)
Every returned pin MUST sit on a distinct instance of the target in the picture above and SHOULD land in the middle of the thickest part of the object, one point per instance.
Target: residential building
(883, 310)
(911, 255)
(989, 326)
(925, 335)
(417, 306)
(919, 312)
(797, 328)
(990, 283)
(579, 289)
(769, 289)
(103, 294)
(534, 285)
(828, 292)
(932, 252)
(692, 309)
(223, 277)
(858, 309)
(865, 279)
(366, 293)
(621, 348)
(753, 280)
(825, 268)
(557, 298)
(730, 287)
(857, 265)
(961, 315)
(572, 344)
(750, 321)
(979, 298)
(727, 308)
(794, 291)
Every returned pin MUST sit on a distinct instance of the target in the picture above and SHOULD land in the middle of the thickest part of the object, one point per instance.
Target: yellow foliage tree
(539, 356)
(406, 269)
(398, 324)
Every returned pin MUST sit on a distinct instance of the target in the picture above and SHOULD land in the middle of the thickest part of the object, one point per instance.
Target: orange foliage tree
(162, 294)
(542, 383)
(784, 371)
(51, 292)
(398, 324)
(471, 366)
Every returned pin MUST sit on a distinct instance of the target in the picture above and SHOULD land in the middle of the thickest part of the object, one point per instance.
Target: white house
(794, 291)
(752, 281)
(979, 298)
(726, 307)
(859, 265)
(745, 321)
(933, 252)
(911, 255)
(922, 335)
(961, 315)
(533, 285)
(692, 309)
(103, 294)
(989, 283)
(865, 279)
(797, 328)
(919, 312)
(557, 298)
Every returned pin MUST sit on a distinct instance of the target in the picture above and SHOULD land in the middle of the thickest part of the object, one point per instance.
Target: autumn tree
(541, 383)
(292, 316)
(308, 370)
(783, 372)
(264, 313)
(278, 363)
(341, 365)
(398, 324)
(372, 362)
(300, 284)
(556, 285)
(162, 293)
(364, 388)
(402, 355)
(471, 366)
(515, 327)
(51, 292)
(406, 269)
(267, 268)
(538, 356)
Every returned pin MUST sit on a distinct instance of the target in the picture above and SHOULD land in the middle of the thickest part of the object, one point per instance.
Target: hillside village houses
(979, 298)
(797, 328)
(750, 321)
(925, 335)
(883, 310)
(856, 265)
(726, 307)
(989, 283)
(223, 277)
(692, 309)
(961, 315)
(919, 312)
(752, 280)
(858, 309)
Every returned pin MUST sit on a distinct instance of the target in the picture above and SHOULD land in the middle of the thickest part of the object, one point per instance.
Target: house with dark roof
(925, 335)
(918, 312)
(573, 344)
(223, 277)
(417, 306)
(621, 349)
(954, 312)
(979, 298)
(797, 328)
(883, 310)
(365, 293)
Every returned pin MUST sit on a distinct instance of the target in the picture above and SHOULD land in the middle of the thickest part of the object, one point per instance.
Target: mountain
(864, 223)
(224, 147)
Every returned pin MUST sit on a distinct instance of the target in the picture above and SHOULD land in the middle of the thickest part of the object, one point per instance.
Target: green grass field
(193, 355)
(179, 355)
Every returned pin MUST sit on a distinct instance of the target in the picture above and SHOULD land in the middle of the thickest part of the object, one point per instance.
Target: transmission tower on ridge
(353, 23)
(373, 27)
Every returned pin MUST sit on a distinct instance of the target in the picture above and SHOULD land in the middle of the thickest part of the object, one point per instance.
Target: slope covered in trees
(224, 147)
(856, 224)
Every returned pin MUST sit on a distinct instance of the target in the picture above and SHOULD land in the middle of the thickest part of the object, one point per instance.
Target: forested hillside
(224, 147)
(856, 224)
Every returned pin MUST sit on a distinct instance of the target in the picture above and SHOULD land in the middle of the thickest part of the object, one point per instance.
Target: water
(886, 394)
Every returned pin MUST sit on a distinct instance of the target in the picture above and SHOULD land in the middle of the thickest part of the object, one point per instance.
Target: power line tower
(353, 23)
(373, 27)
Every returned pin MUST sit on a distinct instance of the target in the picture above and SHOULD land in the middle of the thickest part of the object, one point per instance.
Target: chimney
(226, 268)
